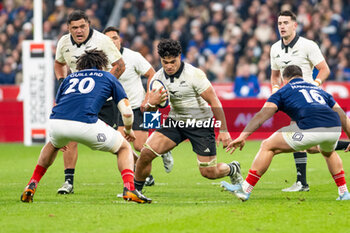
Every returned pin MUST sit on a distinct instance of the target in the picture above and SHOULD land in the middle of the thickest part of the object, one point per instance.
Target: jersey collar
(88, 38)
(296, 80)
(291, 44)
(176, 75)
(121, 50)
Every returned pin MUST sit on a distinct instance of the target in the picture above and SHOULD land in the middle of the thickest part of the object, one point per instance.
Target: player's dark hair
(288, 13)
(92, 59)
(292, 71)
(77, 15)
(169, 48)
(111, 29)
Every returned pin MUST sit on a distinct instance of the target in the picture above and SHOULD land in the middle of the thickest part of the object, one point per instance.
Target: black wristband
(60, 80)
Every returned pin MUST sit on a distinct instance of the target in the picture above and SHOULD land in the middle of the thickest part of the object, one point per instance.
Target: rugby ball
(159, 85)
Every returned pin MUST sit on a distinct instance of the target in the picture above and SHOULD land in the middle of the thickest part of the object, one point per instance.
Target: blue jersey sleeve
(276, 98)
(329, 100)
(118, 90)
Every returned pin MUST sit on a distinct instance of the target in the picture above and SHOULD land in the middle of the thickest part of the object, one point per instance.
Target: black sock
(139, 185)
(300, 163)
(342, 145)
(69, 175)
(232, 169)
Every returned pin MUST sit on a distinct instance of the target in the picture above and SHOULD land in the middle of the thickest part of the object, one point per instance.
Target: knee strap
(150, 148)
(211, 163)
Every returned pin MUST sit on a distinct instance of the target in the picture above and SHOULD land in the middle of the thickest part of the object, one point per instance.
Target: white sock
(342, 189)
(248, 188)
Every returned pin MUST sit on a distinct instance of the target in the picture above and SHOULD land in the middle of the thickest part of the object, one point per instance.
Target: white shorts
(97, 136)
(299, 139)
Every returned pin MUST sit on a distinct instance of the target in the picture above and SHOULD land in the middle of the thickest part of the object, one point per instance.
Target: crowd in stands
(217, 36)
(16, 25)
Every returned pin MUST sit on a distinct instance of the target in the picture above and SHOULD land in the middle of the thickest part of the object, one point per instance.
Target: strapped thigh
(150, 148)
(211, 163)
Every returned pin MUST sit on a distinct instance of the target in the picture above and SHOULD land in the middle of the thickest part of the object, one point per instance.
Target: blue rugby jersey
(307, 104)
(82, 94)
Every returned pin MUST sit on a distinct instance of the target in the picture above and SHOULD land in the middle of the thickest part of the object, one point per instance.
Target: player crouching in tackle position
(74, 118)
(318, 124)
(190, 96)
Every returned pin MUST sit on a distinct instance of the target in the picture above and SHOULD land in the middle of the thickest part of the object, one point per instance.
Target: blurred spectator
(213, 34)
(80, 5)
(168, 10)
(334, 21)
(7, 75)
(246, 84)
(214, 44)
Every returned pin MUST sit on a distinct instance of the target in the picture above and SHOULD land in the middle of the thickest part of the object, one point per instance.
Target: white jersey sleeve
(59, 53)
(110, 49)
(314, 53)
(200, 81)
(273, 54)
(142, 65)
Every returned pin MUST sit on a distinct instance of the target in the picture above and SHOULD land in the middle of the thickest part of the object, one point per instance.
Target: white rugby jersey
(135, 66)
(185, 89)
(301, 52)
(68, 51)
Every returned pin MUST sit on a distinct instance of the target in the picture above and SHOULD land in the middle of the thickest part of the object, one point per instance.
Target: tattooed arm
(118, 68)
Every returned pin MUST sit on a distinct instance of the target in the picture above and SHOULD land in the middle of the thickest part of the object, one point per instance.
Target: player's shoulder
(128, 51)
(107, 74)
(188, 68)
(276, 48)
(64, 39)
(131, 55)
(159, 74)
(97, 73)
(192, 72)
(100, 36)
(276, 45)
(306, 42)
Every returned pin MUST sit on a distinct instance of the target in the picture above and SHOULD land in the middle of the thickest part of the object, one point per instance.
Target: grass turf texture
(183, 201)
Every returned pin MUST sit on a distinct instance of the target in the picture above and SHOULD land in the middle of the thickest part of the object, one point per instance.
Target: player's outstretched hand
(235, 144)
(64, 148)
(130, 136)
(348, 148)
(225, 138)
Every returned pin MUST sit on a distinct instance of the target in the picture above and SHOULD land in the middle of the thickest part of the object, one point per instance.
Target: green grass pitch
(183, 201)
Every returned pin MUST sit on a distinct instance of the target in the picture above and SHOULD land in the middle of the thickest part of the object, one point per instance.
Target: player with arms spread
(191, 94)
(293, 49)
(74, 118)
(318, 121)
(69, 48)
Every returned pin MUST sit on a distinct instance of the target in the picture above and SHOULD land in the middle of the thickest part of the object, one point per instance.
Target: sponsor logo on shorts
(297, 136)
(101, 137)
